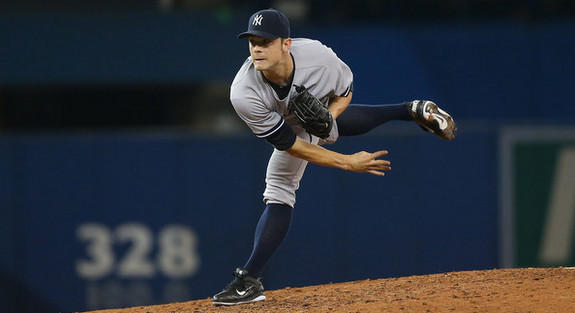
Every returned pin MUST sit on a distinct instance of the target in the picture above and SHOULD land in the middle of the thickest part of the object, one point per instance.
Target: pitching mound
(509, 290)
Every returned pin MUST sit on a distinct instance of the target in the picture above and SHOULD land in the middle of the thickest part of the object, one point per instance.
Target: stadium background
(126, 179)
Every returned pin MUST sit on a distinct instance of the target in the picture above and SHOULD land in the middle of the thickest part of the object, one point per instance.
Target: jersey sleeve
(343, 82)
(264, 123)
(260, 119)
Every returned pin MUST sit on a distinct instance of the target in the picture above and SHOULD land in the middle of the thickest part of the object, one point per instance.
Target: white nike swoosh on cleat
(441, 120)
(241, 293)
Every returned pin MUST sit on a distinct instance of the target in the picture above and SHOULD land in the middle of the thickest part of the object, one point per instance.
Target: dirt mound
(537, 290)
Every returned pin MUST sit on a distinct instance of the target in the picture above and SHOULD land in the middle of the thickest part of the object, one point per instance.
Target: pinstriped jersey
(317, 68)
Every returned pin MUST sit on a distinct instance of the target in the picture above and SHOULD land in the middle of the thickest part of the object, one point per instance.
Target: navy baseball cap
(269, 23)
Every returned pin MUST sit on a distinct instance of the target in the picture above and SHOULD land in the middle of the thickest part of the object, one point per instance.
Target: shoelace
(238, 283)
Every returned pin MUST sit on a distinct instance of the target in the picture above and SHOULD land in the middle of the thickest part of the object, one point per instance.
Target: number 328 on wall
(175, 248)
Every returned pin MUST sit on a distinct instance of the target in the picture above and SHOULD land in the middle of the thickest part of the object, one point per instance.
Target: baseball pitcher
(295, 93)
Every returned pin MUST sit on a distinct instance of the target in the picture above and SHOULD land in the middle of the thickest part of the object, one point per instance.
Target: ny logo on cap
(258, 20)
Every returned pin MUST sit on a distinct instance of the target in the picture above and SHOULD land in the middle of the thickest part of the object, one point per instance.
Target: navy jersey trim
(272, 130)
(349, 89)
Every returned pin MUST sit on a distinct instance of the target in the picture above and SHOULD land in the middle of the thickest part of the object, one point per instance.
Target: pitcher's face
(268, 53)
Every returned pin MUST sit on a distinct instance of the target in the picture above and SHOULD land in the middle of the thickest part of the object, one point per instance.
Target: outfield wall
(99, 220)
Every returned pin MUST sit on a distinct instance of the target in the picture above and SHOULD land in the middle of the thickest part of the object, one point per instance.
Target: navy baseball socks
(271, 230)
(359, 119)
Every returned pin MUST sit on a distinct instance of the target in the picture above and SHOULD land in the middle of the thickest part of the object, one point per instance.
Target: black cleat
(430, 117)
(243, 289)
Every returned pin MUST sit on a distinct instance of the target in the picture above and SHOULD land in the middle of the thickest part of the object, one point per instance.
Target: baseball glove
(313, 115)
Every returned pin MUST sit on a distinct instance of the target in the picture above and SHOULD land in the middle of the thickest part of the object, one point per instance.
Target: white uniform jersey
(317, 68)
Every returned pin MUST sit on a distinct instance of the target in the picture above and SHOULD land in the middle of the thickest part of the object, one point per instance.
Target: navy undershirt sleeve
(283, 137)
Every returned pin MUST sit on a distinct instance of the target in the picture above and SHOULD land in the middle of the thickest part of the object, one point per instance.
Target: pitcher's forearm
(319, 155)
(362, 162)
